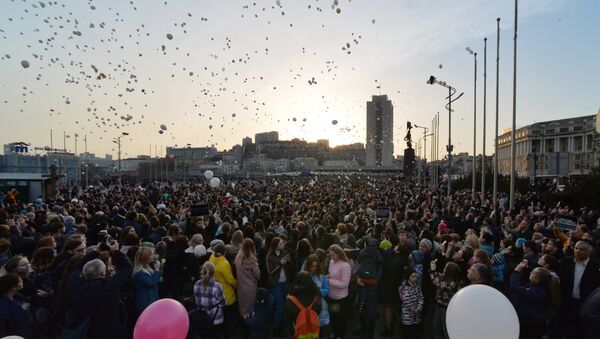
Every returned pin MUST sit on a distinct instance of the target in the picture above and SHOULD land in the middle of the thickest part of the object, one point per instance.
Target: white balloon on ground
(208, 174)
(496, 316)
(214, 182)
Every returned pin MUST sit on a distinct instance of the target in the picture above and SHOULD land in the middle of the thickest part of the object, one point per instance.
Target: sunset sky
(213, 72)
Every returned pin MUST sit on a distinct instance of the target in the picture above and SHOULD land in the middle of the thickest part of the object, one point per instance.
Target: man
(369, 275)
(579, 276)
(96, 298)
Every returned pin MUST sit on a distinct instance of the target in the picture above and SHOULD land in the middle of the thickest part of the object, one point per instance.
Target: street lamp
(118, 142)
(451, 91)
(472, 52)
(425, 135)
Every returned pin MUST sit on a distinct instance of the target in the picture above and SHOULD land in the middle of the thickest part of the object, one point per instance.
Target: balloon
(214, 182)
(163, 319)
(170, 36)
(334, 122)
(25, 64)
(163, 127)
(208, 174)
(496, 316)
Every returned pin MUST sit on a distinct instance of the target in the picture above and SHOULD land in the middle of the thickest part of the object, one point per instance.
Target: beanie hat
(371, 242)
(199, 251)
(385, 245)
(520, 242)
(427, 243)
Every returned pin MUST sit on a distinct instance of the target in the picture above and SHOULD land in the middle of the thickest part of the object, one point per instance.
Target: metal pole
(449, 141)
(86, 163)
(495, 193)
(514, 116)
(424, 155)
(76, 162)
(119, 154)
(437, 150)
(64, 141)
(484, 118)
(474, 127)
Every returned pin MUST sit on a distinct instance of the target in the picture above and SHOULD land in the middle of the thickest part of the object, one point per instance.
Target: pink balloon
(163, 319)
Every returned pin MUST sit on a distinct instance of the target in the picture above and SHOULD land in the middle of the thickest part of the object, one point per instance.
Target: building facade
(550, 148)
(380, 131)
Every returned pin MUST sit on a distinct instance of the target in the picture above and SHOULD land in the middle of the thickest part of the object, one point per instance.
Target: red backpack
(307, 325)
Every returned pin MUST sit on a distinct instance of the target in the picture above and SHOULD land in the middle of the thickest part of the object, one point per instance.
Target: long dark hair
(303, 284)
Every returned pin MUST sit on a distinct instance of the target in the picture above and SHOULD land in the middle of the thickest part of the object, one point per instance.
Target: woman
(446, 285)
(248, 274)
(534, 302)
(41, 263)
(71, 247)
(20, 266)
(304, 293)
(14, 320)
(236, 243)
(394, 263)
(303, 250)
(209, 296)
(313, 268)
(224, 276)
(339, 280)
(145, 278)
(278, 270)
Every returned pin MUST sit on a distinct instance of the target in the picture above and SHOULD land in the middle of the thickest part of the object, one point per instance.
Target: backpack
(307, 324)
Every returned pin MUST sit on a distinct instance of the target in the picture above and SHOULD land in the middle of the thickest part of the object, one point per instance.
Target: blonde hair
(247, 253)
(472, 241)
(339, 252)
(206, 273)
(142, 259)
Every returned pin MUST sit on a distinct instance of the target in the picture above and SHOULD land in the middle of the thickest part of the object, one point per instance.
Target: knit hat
(148, 244)
(199, 251)
(385, 245)
(520, 242)
(371, 242)
(427, 243)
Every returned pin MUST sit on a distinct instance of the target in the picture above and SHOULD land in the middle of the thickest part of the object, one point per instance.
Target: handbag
(200, 319)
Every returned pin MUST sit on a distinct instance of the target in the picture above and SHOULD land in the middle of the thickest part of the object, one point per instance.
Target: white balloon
(208, 174)
(214, 182)
(496, 316)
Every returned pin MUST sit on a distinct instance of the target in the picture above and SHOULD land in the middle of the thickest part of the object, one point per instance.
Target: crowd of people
(326, 256)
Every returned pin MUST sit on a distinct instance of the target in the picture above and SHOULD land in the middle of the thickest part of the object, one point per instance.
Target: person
(412, 304)
(313, 268)
(446, 285)
(224, 276)
(146, 275)
(590, 315)
(259, 323)
(369, 275)
(21, 266)
(248, 274)
(233, 248)
(209, 296)
(339, 276)
(278, 270)
(394, 263)
(14, 320)
(304, 293)
(95, 298)
(579, 276)
(535, 301)
(479, 273)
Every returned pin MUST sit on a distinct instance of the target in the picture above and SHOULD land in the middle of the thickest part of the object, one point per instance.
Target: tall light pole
(473, 188)
(451, 91)
(514, 115)
(484, 119)
(118, 142)
(495, 193)
(425, 135)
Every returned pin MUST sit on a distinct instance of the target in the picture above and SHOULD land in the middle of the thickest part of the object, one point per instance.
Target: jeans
(280, 292)
(338, 311)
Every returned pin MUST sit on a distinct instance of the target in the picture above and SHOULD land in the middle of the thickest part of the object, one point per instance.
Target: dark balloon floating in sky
(334, 122)
(170, 36)
(25, 64)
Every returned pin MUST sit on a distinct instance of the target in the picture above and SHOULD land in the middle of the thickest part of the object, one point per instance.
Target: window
(549, 145)
(589, 141)
(564, 144)
(564, 129)
(578, 143)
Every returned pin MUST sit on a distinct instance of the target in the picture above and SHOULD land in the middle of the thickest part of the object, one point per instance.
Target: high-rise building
(380, 131)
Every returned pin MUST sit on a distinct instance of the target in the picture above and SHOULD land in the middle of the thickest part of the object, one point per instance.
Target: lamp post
(425, 135)
(513, 145)
(473, 188)
(484, 121)
(451, 91)
(495, 192)
(118, 142)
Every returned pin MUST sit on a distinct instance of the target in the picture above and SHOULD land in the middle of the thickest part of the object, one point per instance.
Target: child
(412, 304)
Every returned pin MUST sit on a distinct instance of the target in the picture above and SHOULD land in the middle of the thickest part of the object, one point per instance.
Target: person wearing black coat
(579, 276)
(96, 297)
(307, 293)
(14, 320)
(590, 315)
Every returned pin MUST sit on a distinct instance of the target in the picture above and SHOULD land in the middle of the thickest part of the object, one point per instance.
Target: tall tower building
(380, 131)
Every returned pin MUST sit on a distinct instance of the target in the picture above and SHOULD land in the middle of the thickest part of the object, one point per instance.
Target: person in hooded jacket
(95, 298)
(259, 323)
(369, 275)
(304, 289)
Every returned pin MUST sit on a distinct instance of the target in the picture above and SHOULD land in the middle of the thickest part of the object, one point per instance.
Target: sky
(200, 72)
